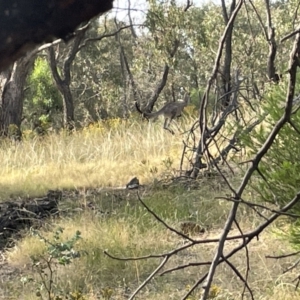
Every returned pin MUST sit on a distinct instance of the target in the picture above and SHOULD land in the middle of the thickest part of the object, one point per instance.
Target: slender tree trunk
(63, 78)
(12, 96)
(68, 105)
(226, 70)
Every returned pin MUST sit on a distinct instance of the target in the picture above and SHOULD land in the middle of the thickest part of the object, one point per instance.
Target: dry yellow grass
(99, 156)
(123, 238)
(109, 156)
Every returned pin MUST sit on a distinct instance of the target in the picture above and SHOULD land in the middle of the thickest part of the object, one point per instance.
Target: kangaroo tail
(138, 108)
(144, 115)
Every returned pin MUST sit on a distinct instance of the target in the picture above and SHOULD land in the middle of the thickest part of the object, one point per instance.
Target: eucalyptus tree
(98, 81)
(12, 82)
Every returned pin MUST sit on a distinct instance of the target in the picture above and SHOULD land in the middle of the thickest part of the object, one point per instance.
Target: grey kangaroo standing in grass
(170, 111)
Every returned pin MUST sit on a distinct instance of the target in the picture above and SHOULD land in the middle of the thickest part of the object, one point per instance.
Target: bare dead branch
(247, 239)
(290, 35)
(190, 264)
(298, 279)
(293, 266)
(271, 70)
(252, 205)
(160, 220)
(103, 36)
(294, 126)
(259, 19)
(293, 64)
(203, 107)
(246, 286)
(149, 278)
(189, 4)
(193, 288)
(296, 14)
(240, 276)
(130, 20)
(283, 256)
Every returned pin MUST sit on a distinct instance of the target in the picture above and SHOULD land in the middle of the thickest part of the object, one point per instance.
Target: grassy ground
(105, 155)
(102, 157)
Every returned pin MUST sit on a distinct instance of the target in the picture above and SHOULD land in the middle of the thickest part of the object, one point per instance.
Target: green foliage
(45, 93)
(42, 96)
(58, 252)
(280, 167)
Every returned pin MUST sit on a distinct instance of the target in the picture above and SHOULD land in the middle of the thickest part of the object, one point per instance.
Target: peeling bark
(12, 82)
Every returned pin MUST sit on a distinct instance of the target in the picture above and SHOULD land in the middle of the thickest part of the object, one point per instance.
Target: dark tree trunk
(226, 70)
(68, 106)
(63, 81)
(161, 84)
(12, 96)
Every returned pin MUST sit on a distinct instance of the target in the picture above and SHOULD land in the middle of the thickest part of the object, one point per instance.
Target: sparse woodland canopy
(240, 62)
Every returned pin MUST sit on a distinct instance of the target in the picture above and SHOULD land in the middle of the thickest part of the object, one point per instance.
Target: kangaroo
(170, 111)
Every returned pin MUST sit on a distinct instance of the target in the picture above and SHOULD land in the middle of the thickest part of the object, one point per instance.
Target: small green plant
(106, 293)
(58, 252)
(213, 293)
(167, 163)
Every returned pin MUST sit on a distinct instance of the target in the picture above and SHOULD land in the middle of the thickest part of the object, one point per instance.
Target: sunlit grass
(109, 154)
(101, 155)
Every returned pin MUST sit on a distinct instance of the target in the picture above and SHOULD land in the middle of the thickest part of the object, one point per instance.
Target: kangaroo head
(187, 97)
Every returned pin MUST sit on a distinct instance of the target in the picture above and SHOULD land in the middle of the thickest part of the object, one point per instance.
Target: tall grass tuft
(105, 154)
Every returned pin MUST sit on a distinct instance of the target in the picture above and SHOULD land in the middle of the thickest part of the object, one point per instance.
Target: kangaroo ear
(187, 97)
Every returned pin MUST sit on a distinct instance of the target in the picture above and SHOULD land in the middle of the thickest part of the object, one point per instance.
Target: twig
(283, 256)
(185, 297)
(246, 241)
(204, 102)
(163, 222)
(291, 34)
(293, 266)
(180, 267)
(247, 262)
(149, 278)
(244, 280)
(252, 204)
(293, 64)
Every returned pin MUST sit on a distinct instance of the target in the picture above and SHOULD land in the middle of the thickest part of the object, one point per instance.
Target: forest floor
(131, 231)
(86, 166)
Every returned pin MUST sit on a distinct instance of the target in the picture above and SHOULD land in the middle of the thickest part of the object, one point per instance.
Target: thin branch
(259, 19)
(204, 102)
(293, 266)
(101, 37)
(247, 240)
(290, 35)
(251, 205)
(130, 20)
(294, 126)
(238, 274)
(190, 264)
(189, 4)
(297, 285)
(283, 256)
(149, 278)
(193, 288)
(247, 263)
(293, 64)
(163, 222)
